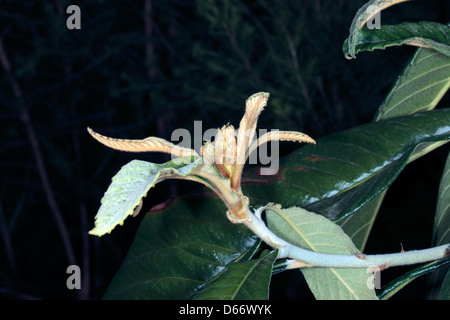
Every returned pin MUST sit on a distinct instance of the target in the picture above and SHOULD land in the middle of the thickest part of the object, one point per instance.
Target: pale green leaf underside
(315, 232)
(421, 86)
(247, 280)
(130, 185)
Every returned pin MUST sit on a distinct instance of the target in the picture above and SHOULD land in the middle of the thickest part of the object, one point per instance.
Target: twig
(8, 244)
(38, 157)
(149, 51)
(82, 294)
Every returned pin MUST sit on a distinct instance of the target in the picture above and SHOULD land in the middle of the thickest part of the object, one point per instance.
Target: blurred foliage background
(144, 68)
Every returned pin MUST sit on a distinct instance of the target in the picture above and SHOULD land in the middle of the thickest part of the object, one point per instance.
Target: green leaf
(179, 250)
(426, 33)
(344, 171)
(441, 229)
(394, 286)
(364, 14)
(421, 86)
(358, 226)
(247, 280)
(316, 233)
(130, 185)
(444, 294)
(441, 232)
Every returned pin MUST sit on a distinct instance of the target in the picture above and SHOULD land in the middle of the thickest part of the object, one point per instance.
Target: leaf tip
(91, 132)
(96, 232)
(262, 94)
(349, 57)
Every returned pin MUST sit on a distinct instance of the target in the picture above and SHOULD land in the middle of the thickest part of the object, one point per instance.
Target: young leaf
(247, 127)
(422, 34)
(150, 144)
(316, 233)
(246, 280)
(179, 250)
(279, 136)
(130, 185)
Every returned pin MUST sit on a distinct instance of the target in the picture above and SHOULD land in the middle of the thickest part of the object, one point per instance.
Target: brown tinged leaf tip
(151, 144)
(292, 136)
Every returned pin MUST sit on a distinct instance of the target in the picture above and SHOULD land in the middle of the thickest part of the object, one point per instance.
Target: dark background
(144, 68)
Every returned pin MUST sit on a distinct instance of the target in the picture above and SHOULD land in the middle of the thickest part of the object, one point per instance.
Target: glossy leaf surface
(179, 250)
(344, 171)
(396, 285)
(246, 280)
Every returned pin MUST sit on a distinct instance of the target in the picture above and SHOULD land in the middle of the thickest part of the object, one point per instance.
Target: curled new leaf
(254, 106)
(280, 136)
(150, 144)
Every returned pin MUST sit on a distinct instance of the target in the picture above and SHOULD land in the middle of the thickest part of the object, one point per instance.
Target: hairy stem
(306, 258)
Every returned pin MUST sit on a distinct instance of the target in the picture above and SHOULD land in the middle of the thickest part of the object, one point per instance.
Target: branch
(11, 257)
(38, 157)
(306, 258)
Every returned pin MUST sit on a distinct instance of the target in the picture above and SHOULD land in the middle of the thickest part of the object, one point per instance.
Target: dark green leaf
(430, 34)
(444, 294)
(422, 84)
(358, 226)
(180, 249)
(441, 230)
(394, 286)
(344, 171)
(247, 280)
